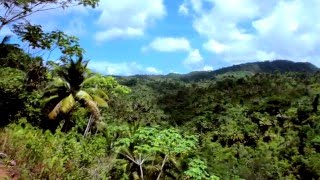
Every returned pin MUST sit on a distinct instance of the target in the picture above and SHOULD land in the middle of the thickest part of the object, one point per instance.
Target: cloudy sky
(161, 36)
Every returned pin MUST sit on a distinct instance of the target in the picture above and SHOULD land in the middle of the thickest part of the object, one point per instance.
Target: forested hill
(281, 66)
(256, 126)
(61, 120)
(275, 66)
(272, 66)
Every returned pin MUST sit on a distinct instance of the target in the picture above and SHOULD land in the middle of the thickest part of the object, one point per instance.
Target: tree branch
(130, 158)
(163, 163)
(22, 14)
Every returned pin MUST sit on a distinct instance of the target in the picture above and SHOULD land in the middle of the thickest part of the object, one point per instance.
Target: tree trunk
(141, 172)
(88, 126)
(163, 163)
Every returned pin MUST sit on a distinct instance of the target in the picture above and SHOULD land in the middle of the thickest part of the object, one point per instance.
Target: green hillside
(276, 66)
(60, 120)
(281, 66)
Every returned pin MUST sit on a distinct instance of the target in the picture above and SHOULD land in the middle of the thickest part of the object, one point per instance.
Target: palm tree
(71, 86)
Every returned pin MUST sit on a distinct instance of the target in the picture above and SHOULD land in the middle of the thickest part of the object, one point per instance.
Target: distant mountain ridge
(272, 66)
(281, 66)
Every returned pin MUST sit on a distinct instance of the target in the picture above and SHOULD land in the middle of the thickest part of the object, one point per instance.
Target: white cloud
(127, 15)
(122, 68)
(117, 33)
(196, 5)
(207, 68)
(169, 44)
(153, 70)
(247, 30)
(183, 9)
(194, 58)
(215, 46)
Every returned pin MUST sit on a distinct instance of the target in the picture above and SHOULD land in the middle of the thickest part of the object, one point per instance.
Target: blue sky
(162, 36)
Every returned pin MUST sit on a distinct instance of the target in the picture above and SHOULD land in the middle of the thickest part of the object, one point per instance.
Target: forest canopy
(61, 120)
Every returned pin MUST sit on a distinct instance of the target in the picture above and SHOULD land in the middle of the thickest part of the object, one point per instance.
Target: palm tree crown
(70, 87)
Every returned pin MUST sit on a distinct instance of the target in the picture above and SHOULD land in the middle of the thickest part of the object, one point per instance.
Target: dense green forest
(59, 120)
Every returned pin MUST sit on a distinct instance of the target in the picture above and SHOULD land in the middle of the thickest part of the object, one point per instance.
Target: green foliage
(11, 93)
(153, 140)
(197, 170)
(108, 84)
(238, 125)
(257, 126)
(242, 70)
(37, 38)
(42, 155)
(152, 148)
(72, 87)
(12, 80)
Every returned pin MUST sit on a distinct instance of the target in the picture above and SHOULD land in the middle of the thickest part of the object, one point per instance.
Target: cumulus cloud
(215, 46)
(152, 70)
(207, 68)
(122, 68)
(194, 58)
(117, 33)
(196, 5)
(169, 44)
(127, 18)
(250, 30)
(116, 19)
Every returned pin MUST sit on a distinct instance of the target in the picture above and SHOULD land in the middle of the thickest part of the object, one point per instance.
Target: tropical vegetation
(60, 120)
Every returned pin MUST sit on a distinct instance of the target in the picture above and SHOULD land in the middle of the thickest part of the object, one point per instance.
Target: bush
(42, 155)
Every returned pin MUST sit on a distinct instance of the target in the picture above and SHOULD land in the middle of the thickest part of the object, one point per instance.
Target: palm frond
(82, 95)
(93, 108)
(90, 103)
(67, 104)
(91, 80)
(48, 99)
(58, 82)
(98, 92)
(56, 110)
(101, 102)
(75, 73)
